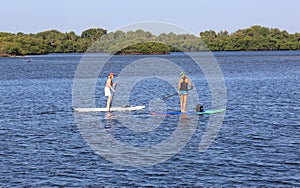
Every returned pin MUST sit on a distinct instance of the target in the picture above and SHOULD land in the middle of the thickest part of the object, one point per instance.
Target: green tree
(93, 34)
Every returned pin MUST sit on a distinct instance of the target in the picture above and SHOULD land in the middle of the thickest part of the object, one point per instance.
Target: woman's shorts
(183, 92)
(107, 92)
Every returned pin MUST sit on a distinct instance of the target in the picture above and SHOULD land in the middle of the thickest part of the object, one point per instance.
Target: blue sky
(32, 16)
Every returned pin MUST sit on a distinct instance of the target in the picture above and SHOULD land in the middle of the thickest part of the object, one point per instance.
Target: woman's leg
(185, 98)
(181, 102)
(108, 102)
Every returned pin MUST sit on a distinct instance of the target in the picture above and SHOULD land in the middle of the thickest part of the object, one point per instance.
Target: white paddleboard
(125, 108)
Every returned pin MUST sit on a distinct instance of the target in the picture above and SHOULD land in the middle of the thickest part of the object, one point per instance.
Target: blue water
(258, 143)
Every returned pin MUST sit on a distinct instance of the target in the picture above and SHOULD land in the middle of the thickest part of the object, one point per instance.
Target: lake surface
(258, 143)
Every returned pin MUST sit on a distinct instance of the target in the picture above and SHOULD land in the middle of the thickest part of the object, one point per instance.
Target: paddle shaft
(169, 96)
(172, 95)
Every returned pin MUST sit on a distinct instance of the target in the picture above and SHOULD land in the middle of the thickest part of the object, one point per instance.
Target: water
(257, 145)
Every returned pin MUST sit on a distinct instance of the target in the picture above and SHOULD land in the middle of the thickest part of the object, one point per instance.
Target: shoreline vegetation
(255, 38)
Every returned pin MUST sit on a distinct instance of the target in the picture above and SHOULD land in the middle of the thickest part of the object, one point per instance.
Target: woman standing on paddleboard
(183, 83)
(108, 90)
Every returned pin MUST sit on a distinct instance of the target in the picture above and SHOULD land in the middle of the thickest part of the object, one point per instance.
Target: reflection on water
(109, 122)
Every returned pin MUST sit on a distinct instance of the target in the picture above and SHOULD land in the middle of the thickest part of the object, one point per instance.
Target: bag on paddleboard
(199, 108)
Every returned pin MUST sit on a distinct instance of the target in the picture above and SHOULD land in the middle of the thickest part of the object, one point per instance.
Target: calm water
(257, 145)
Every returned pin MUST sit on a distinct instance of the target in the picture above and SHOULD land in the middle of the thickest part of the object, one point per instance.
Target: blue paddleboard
(190, 112)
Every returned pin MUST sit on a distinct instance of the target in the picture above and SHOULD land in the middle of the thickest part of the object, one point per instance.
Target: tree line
(251, 39)
(140, 42)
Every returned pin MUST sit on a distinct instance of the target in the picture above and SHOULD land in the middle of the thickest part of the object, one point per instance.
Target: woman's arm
(179, 84)
(190, 84)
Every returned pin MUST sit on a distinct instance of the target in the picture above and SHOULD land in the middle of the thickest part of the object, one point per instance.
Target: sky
(194, 16)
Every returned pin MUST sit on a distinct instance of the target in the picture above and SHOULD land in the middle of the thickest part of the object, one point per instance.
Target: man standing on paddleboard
(183, 83)
(109, 90)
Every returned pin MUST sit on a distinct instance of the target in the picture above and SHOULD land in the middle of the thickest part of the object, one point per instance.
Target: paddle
(169, 96)
(173, 94)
